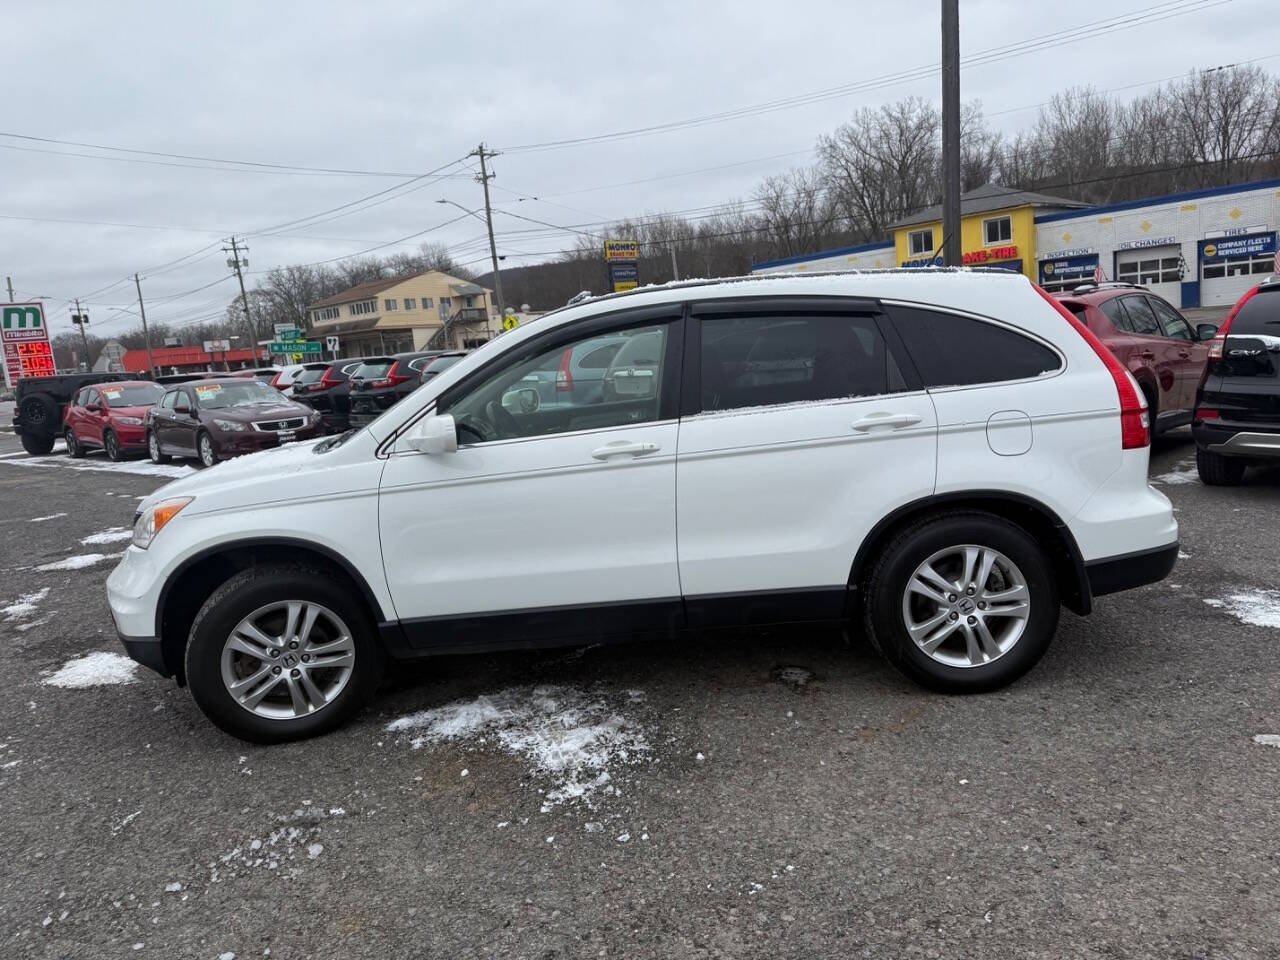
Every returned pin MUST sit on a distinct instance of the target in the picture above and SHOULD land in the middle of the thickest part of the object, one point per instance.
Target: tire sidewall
(239, 597)
(73, 447)
(885, 606)
(112, 446)
(201, 440)
(153, 447)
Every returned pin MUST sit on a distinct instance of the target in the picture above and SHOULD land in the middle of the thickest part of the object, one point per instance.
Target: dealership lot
(774, 795)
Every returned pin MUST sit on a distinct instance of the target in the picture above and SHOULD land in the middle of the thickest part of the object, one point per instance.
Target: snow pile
(1261, 608)
(110, 535)
(78, 561)
(93, 670)
(142, 467)
(565, 734)
(1184, 472)
(24, 606)
(1267, 739)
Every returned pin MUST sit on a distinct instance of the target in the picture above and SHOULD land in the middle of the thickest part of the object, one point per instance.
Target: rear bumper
(1129, 570)
(1237, 441)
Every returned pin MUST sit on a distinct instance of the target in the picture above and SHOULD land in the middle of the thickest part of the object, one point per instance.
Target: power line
(1150, 14)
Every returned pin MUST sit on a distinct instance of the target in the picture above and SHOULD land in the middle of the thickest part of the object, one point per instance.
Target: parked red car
(110, 416)
(1157, 344)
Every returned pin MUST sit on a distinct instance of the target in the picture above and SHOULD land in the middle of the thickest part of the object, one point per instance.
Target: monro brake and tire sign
(25, 340)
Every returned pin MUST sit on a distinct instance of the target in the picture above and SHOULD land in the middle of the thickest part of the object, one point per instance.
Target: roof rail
(1106, 285)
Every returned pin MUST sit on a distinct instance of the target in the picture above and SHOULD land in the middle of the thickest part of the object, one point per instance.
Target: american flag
(1275, 262)
(1097, 271)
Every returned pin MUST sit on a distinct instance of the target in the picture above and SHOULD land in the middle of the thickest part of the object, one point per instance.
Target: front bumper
(146, 651)
(132, 437)
(234, 444)
(1113, 574)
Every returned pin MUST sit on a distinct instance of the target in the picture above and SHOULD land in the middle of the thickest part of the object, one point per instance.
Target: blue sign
(1068, 268)
(624, 271)
(923, 262)
(1254, 245)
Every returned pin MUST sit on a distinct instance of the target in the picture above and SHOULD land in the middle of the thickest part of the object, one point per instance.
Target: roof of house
(363, 291)
(990, 197)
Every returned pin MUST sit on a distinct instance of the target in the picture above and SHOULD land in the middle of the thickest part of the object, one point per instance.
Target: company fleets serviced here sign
(1230, 248)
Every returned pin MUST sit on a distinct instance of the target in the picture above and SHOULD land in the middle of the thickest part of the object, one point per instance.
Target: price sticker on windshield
(113, 394)
(208, 390)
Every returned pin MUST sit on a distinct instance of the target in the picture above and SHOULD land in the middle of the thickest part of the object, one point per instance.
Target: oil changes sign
(25, 340)
(621, 260)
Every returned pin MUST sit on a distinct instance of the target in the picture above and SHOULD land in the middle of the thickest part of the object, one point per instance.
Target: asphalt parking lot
(780, 795)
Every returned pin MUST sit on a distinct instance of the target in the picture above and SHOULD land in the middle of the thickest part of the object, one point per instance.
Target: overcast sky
(405, 88)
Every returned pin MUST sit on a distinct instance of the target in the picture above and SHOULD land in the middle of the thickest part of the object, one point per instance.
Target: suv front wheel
(282, 653)
(963, 603)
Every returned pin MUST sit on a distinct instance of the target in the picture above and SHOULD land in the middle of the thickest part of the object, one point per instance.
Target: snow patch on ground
(1184, 472)
(110, 535)
(78, 562)
(1261, 608)
(142, 467)
(93, 670)
(570, 736)
(24, 606)
(1267, 739)
(52, 516)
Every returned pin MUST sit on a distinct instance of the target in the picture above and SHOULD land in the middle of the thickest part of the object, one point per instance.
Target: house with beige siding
(428, 311)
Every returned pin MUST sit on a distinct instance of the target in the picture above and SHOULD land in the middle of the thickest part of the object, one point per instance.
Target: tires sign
(25, 340)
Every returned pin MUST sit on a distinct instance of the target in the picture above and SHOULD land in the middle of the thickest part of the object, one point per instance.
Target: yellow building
(431, 310)
(997, 229)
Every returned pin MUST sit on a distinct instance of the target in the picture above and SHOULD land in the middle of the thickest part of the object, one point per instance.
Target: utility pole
(484, 178)
(81, 320)
(238, 262)
(146, 336)
(9, 281)
(675, 271)
(951, 253)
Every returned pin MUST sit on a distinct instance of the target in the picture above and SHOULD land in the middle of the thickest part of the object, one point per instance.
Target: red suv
(1156, 344)
(109, 415)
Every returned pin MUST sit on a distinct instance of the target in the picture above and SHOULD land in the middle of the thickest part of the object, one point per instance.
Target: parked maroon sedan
(1157, 344)
(216, 419)
(110, 416)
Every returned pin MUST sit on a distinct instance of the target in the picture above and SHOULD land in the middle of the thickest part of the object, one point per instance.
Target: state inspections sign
(1231, 248)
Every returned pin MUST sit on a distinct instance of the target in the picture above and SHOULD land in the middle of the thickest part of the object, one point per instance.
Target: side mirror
(93, 407)
(181, 406)
(436, 434)
(1206, 331)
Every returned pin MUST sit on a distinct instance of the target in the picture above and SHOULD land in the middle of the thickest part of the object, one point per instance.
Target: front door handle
(624, 448)
(1147, 355)
(881, 418)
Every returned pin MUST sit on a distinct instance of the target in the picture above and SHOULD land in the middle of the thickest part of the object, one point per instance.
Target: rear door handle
(1147, 355)
(624, 448)
(893, 421)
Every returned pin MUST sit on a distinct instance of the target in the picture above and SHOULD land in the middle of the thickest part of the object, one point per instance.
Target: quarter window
(762, 361)
(549, 393)
(920, 241)
(997, 230)
(951, 350)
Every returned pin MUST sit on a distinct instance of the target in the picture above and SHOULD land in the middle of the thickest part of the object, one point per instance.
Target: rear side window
(1114, 309)
(1260, 314)
(762, 361)
(600, 357)
(954, 351)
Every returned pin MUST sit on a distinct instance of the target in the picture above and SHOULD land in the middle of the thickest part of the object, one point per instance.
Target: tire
(153, 448)
(1218, 471)
(1013, 644)
(111, 444)
(205, 450)
(211, 665)
(37, 446)
(74, 450)
(40, 413)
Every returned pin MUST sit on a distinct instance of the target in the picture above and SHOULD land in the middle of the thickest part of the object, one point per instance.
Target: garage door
(1155, 268)
(1231, 265)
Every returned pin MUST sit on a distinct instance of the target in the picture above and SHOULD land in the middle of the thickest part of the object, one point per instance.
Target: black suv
(41, 402)
(329, 394)
(1237, 417)
(381, 382)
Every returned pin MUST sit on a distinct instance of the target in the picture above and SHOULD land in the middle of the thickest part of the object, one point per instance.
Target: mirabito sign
(25, 340)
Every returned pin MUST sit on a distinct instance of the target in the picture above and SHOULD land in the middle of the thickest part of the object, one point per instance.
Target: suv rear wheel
(963, 603)
(282, 653)
(1218, 471)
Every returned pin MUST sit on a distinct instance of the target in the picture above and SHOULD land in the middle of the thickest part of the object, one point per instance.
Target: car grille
(270, 426)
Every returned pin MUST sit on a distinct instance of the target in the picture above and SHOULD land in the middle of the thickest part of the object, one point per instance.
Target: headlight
(232, 426)
(130, 421)
(314, 416)
(153, 520)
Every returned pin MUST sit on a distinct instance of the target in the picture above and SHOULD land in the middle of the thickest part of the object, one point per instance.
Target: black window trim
(782, 307)
(889, 306)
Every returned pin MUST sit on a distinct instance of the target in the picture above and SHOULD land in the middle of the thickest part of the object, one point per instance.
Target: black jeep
(41, 402)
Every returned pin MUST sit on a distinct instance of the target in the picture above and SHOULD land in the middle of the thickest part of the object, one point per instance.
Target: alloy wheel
(70, 439)
(153, 446)
(966, 606)
(206, 451)
(288, 659)
(112, 445)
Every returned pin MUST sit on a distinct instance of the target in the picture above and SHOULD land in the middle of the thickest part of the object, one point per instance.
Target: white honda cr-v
(943, 457)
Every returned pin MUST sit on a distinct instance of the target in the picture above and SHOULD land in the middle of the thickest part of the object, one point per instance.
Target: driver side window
(598, 381)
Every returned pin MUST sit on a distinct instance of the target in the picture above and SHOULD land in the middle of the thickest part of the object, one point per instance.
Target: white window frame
(427, 303)
(390, 303)
(915, 249)
(411, 303)
(986, 239)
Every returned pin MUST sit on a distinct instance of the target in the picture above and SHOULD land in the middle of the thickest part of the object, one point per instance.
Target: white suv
(943, 456)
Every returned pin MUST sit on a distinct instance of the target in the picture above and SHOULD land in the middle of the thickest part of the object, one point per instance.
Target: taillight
(326, 381)
(275, 381)
(1219, 342)
(564, 377)
(1207, 413)
(1135, 419)
(392, 377)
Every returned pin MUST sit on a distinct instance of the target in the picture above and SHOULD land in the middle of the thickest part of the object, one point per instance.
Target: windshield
(142, 395)
(310, 376)
(218, 396)
(372, 369)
